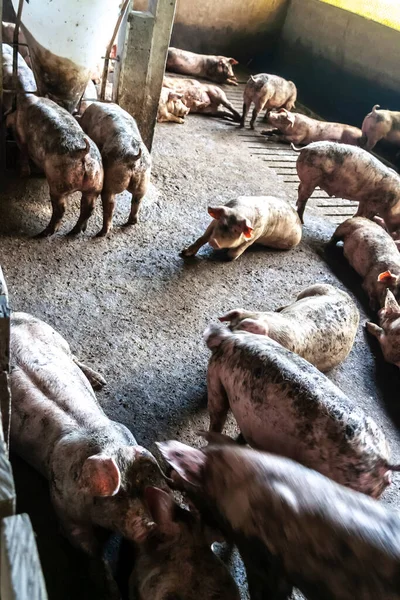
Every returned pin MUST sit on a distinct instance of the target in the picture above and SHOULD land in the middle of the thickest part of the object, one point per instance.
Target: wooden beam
(21, 576)
(5, 398)
(143, 63)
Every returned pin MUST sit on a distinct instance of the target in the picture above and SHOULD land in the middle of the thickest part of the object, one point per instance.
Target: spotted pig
(379, 125)
(267, 92)
(388, 330)
(215, 68)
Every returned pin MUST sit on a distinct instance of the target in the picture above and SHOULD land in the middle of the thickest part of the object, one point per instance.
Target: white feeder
(66, 39)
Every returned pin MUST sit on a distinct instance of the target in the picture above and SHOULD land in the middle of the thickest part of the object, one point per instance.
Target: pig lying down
(171, 109)
(320, 325)
(247, 220)
(379, 125)
(176, 562)
(202, 98)
(126, 160)
(292, 526)
(267, 92)
(283, 404)
(300, 129)
(345, 171)
(97, 472)
(215, 68)
(388, 331)
(373, 254)
(52, 138)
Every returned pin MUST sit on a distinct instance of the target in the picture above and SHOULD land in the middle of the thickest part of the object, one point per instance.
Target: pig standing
(215, 68)
(267, 91)
(292, 526)
(126, 159)
(25, 79)
(320, 325)
(378, 125)
(388, 331)
(240, 223)
(176, 561)
(52, 138)
(373, 254)
(202, 98)
(345, 171)
(283, 404)
(96, 470)
(170, 107)
(300, 129)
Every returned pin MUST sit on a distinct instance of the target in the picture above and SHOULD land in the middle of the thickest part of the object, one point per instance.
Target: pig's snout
(214, 244)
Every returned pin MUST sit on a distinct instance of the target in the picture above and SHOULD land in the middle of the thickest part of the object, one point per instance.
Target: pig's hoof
(45, 233)
(131, 222)
(241, 125)
(75, 231)
(102, 233)
(186, 253)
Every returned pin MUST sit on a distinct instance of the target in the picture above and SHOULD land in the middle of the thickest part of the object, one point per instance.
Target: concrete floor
(133, 309)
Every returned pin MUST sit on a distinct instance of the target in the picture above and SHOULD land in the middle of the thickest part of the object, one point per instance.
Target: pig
(378, 125)
(373, 254)
(283, 404)
(215, 68)
(202, 98)
(97, 472)
(51, 137)
(25, 79)
(267, 91)
(127, 161)
(345, 171)
(171, 108)
(292, 526)
(300, 129)
(320, 325)
(240, 223)
(176, 561)
(7, 31)
(388, 330)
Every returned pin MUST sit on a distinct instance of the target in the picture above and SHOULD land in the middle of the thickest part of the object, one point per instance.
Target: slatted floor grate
(282, 160)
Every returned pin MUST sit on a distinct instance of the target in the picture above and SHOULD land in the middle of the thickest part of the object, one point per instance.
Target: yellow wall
(386, 12)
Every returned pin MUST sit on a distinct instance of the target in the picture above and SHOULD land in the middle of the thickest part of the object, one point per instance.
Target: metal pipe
(109, 49)
(15, 52)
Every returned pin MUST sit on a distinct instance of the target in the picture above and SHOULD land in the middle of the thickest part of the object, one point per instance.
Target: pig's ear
(253, 326)
(388, 278)
(188, 462)
(232, 314)
(216, 213)
(233, 61)
(391, 305)
(247, 229)
(100, 475)
(162, 509)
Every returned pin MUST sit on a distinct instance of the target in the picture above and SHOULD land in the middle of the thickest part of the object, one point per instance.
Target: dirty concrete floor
(133, 309)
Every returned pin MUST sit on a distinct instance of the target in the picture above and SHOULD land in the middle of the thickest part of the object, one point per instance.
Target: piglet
(300, 129)
(127, 161)
(247, 220)
(267, 92)
(96, 470)
(176, 560)
(320, 325)
(388, 330)
(292, 526)
(283, 404)
(345, 171)
(171, 109)
(372, 252)
(378, 125)
(215, 68)
(51, 137)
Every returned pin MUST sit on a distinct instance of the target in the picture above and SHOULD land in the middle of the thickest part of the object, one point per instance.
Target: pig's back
(285, 405)
(280, 226)
(368, 246)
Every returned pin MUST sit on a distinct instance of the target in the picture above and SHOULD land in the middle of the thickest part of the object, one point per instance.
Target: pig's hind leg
(58, 204)
(246, 108)
(304, 192)
(108, 202)
(138, 189)
(87, 207)
(218, 403)
(96, 380)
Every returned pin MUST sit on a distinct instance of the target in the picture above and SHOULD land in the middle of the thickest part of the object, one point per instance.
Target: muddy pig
(373, 254)
(7, 31)
(25, 78)
(202, 98)
(300, 129)
(126, 159)
(96, 470)
(176, 561)
(345, 171)
(378, 125)
(170, 107)
(283, 404)
(52, 138)
(215, 68)
(267, 91)
(320, 325)
(240, 223)
(388, 330)
(292, 526)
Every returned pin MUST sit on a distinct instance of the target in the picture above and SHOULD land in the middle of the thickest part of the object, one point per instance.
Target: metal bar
(109, 48)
